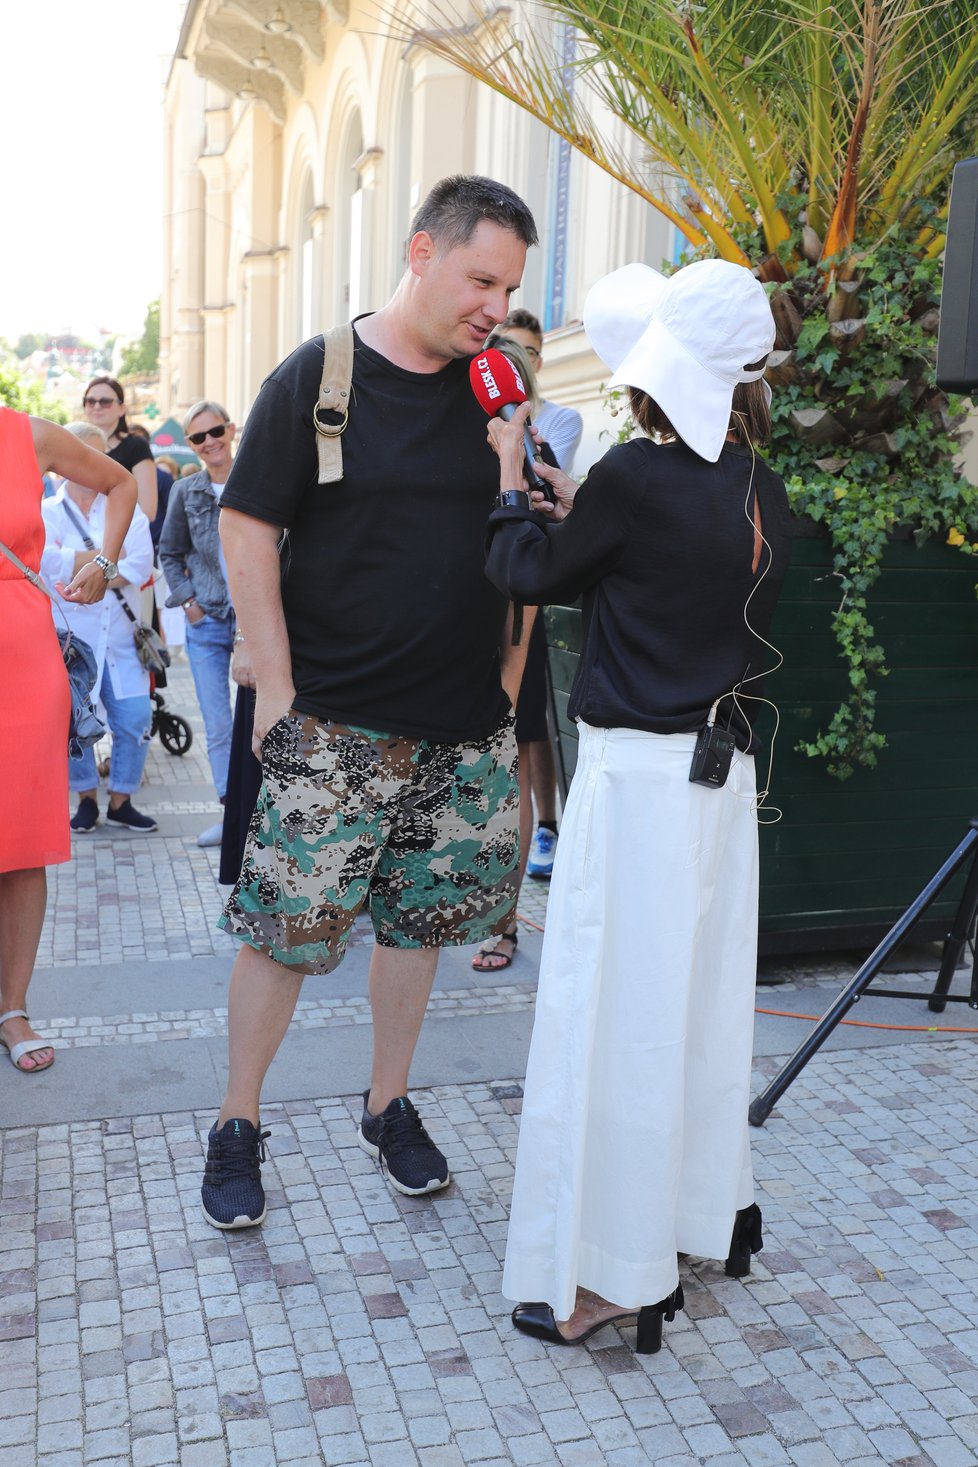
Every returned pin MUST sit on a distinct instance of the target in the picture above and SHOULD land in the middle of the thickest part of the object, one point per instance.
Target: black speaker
(957, 341)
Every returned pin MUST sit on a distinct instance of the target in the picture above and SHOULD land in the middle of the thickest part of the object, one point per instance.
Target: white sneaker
(542, 850)
(212, 835)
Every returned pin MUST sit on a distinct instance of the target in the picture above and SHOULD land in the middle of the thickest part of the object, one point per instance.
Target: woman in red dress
(34, 703)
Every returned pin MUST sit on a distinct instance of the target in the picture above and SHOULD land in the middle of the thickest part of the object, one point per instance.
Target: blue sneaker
(542, 849)
(232, 1194)
(408, 1157)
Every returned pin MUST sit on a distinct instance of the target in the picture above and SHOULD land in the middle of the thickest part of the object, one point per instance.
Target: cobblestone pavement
(363, 1328)
(358, 1328)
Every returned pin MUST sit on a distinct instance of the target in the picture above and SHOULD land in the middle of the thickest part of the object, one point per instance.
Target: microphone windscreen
(496, 381)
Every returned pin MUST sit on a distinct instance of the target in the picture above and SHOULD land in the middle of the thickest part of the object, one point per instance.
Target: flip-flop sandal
(26, 1046)
(490, 950)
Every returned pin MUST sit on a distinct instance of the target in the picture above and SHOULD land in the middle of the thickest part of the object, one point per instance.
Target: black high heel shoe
(538, 1320)
(746, 1239)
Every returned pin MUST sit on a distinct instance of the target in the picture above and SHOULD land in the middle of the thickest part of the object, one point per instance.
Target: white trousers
(633, 1140)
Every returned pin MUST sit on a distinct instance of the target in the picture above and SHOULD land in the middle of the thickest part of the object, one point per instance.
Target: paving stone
(362, 1329)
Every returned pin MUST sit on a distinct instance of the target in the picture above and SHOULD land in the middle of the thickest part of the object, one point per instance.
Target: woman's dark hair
(648, 414)
(457, 205)
(122, 427)
(749, 402)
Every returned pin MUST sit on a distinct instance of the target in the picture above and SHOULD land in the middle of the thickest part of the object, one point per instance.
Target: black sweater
(660, 546)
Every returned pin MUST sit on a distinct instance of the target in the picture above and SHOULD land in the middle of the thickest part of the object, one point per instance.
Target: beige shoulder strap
(333, 405)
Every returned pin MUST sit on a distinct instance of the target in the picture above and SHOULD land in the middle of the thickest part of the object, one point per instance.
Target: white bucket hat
(683, 339)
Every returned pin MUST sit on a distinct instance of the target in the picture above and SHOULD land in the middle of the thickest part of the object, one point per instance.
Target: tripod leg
(764, 1103)
(964, 919)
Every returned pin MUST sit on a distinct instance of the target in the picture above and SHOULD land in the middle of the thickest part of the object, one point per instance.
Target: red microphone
(499, 387)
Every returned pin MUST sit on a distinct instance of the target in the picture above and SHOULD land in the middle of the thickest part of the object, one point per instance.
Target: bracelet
(238, 637)
(190, 601)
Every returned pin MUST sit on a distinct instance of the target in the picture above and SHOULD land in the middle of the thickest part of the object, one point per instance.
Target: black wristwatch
(513, 499)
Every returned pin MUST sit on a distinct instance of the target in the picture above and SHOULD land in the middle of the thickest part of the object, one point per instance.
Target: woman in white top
(71, 517)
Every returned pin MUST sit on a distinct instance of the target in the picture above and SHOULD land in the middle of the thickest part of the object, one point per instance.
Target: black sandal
(489, 949)
(538, 1320)
(747, 1239)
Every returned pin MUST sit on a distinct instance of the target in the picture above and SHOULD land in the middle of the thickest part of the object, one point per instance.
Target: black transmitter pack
(711, 757)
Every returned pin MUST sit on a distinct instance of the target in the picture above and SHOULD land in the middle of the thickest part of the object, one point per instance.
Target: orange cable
(865, 1024)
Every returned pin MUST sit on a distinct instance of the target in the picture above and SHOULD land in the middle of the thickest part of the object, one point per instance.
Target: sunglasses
(100, 402)
(198, 438)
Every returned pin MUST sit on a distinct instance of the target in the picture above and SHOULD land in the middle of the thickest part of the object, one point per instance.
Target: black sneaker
(130, 818)
(232, 1194)
(85, 817)
(408, 1157)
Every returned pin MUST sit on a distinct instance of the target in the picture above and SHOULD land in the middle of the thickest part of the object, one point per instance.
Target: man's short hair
(523, 321)
(457, 205)
(205, 406)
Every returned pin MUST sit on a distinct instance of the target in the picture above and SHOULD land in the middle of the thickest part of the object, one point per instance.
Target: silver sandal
(26, 1046)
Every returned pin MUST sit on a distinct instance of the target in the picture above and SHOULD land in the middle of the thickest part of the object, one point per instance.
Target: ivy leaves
(891, 465)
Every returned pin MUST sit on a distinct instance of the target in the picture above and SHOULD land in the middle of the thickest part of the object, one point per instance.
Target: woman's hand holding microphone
(506, 441)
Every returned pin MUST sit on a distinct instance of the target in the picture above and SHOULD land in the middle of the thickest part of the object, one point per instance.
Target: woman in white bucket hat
(633, 1140)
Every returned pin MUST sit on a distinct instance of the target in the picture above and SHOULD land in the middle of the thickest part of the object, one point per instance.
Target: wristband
(513, 499)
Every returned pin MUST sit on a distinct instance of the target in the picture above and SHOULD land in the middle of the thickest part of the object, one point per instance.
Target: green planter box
(848, 857)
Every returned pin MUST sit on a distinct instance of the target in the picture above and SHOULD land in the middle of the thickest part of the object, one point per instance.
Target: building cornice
(228, 42)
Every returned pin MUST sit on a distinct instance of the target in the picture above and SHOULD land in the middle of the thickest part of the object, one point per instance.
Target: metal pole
(764, 1103)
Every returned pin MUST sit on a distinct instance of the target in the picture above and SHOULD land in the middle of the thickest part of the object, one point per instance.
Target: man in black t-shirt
(385, 674)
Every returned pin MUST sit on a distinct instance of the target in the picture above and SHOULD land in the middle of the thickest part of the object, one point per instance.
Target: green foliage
(861, 491)
(31, 342)
(893, 469)
(143, 356)
(27, 396)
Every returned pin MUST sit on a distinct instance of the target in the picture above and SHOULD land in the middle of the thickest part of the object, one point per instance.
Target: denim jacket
(190, 551)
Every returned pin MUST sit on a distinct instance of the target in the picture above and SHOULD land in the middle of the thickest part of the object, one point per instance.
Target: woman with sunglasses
(193, 563)
(105, 407)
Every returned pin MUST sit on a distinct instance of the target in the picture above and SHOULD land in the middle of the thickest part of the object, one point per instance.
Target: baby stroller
(175, 732)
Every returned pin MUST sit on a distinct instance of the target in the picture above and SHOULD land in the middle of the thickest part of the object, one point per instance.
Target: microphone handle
(530, 448)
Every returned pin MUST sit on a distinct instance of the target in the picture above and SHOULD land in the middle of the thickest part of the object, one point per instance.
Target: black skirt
(531, 705)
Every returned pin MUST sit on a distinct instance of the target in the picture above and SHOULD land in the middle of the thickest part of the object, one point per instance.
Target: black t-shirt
(392, 623)
(131, 450)
(660, 546)
(164, 483)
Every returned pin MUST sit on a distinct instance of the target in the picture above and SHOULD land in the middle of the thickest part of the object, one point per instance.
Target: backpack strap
(332, 408)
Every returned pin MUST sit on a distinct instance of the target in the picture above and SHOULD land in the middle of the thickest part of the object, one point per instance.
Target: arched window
(402, 204)
(306, 262)
(349, 240)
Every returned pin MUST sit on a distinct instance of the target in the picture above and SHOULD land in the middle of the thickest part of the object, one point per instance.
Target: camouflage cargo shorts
(425, 833)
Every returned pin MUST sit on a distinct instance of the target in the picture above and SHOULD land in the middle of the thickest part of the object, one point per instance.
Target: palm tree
(813, 142)
(740, 114)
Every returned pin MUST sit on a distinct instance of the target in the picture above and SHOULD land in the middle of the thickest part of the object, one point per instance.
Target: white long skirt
(633, 1140)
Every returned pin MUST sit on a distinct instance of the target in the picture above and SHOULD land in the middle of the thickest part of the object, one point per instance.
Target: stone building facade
(299, 142)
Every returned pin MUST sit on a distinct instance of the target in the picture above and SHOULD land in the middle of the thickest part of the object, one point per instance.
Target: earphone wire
(736, 692)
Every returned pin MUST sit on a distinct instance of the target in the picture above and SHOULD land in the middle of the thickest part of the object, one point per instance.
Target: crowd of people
(389, 738)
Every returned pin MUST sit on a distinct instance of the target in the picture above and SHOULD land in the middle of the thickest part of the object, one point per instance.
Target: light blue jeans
(130, 720)
(209, 646)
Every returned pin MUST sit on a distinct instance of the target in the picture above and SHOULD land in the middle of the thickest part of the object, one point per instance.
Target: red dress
(34, 701)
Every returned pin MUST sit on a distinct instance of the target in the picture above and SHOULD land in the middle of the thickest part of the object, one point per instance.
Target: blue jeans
(210, 643)
(130, 720)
